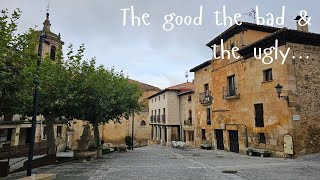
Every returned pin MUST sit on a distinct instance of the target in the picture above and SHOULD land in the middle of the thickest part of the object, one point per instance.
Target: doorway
(234, 141)
(219, 139)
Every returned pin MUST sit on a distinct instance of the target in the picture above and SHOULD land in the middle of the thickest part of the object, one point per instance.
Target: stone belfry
(52, 43)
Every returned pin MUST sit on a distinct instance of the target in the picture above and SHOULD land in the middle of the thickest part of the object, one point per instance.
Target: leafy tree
(101, 94)
(17, 58)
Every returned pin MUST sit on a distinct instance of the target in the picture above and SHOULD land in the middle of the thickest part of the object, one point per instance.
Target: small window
(259, 115)
(203, 133)
(155, 99)
(189, 98)
(267, 74)
(143, 123)
(53, 53)
(59, 131)
(164, 96)
(262, 138)
(208, 116)
(218, 54)
(159, 98)
(232, 46)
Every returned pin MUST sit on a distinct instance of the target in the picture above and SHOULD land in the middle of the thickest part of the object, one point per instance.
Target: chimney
(304, 28)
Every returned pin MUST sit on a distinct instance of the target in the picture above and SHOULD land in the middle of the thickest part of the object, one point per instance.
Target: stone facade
(187, 116)
(164, 112)
(113, 134)
(246, 112)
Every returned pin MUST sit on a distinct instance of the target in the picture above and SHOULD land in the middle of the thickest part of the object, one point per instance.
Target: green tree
(101, 94)
(17, 58)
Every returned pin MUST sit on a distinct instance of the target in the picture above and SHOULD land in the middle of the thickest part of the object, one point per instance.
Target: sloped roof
(184, 87)
(283, 36)
(205, 64)
(238, 28)
(144, 87)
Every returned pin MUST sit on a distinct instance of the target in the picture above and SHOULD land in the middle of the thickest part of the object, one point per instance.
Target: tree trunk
(50, 136)
(96, 133)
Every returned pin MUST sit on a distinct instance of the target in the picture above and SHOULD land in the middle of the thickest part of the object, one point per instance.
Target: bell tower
(52, 43)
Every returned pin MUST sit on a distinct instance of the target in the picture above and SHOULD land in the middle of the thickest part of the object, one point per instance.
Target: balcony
(231, 92)
(154, 118)
(188, 122)
(151, 119)
(205, 98)
(158, 118)
(163, 118)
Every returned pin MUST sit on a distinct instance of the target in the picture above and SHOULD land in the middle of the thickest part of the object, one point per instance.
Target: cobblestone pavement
(156, 162)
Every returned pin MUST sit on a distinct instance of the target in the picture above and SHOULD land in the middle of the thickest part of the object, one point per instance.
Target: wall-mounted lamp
(278, 90)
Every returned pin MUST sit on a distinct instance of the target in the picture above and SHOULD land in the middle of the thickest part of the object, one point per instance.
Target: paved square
(156, 162)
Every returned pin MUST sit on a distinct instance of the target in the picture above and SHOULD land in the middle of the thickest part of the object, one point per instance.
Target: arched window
(53, 53)
(143, 123)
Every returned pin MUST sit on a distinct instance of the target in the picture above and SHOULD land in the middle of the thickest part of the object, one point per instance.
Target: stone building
(113, 134)
(246, 111)
(15, 131)
(187, 117)
(203, 103)
(164, 108)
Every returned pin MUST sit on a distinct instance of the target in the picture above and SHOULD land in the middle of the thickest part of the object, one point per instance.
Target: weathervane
(187, 75)
(252, 14)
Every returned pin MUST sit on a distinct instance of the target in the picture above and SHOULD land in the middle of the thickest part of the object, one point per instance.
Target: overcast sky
(148, 53)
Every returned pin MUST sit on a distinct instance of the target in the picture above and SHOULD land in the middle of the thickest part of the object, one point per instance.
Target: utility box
(288, 144)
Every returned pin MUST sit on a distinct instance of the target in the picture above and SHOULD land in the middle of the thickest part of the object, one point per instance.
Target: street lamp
(35, 103)
(278, 90)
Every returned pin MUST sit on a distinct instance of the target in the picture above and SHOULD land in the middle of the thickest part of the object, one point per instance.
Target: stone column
(158, 133)
(154, 132)
(169, 132)
(163, 136)
(15, 136)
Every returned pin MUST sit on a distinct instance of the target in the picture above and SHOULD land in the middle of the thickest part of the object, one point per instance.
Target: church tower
(52, 43)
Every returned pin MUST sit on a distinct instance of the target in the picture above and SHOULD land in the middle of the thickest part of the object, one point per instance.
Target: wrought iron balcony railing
(205, 98)
(158, 118)
(231, 92)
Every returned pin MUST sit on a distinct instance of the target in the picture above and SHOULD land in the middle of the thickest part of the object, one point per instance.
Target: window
(164, 96)
(267, 75)
(203, 134)
(159, 98)
(218, 54)
(232, 46)
(231, 86)
(164, 111)
(189, 98)
(190, 114)
(262, 138)
(155, 99)
(208, 116)
(259, 115)
(44, 133)
(152, 100)
(143, 123)
(191, 136)
(53, 53)
(59, 131)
